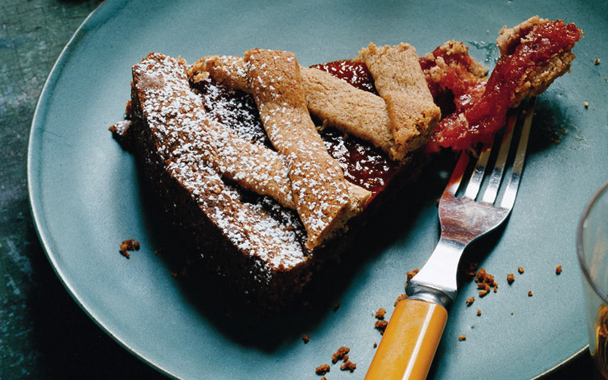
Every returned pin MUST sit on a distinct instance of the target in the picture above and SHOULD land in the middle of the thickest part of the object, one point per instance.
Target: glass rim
(579, 241)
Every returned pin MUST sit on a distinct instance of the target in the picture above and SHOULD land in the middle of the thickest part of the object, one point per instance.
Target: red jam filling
(481, 108)
(362, 164)
(353, 72)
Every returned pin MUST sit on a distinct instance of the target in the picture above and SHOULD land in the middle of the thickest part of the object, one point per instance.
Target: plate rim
(33, 186)
(33, 168)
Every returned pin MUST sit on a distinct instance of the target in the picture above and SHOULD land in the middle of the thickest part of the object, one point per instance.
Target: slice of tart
(268, 168)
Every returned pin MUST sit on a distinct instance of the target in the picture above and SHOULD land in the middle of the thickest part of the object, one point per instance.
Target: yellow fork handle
(409, 343)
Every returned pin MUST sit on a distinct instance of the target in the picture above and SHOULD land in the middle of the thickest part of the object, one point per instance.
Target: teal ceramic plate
(86, 195)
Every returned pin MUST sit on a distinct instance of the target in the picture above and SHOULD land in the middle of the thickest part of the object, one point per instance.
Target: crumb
(348, 366)
(322, 369)
(530, 293)
(597, 61)
(336, 306)
(470, 301)
(375, 345)
(381, 313)
(462, 337)
(510, 278)
(411, 274)
(340, 354)
(127, 246)
(483, 293)
(485, 278)
(306, 339)
(478, 312)
(400, 298)
(324, 378)
(520, 270)
(381, 326)
(132, 244)
(586, 104)
(558, 269)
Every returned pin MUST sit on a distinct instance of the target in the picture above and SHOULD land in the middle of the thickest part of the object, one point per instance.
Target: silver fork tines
(465, 218)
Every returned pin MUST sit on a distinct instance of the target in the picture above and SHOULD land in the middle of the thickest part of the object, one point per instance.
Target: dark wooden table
(43, 332)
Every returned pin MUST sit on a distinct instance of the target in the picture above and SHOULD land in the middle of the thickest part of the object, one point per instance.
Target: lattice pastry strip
(320, 191)
(400, 81)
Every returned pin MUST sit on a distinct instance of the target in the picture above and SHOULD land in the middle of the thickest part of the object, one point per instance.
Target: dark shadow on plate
(65, 342)
(244, 325)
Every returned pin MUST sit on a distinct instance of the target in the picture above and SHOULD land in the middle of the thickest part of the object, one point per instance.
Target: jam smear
(481, 108)
(353, 72)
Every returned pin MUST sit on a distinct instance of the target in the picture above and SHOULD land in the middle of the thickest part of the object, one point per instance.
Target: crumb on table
(558, 269)
(510, 278)
(485, 282)
(381, 313)
(127, 246)
(306, 339)
(348, 366)
(462, 337)
(340, 354)
(381, 326)
(520, 270)
(322, 369)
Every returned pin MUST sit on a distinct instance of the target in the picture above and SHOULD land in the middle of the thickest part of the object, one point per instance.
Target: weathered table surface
(43, 332)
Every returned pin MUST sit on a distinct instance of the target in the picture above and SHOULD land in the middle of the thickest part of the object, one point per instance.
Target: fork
(411, 338)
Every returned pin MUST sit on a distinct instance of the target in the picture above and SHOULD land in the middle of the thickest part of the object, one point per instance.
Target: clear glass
(592, 247)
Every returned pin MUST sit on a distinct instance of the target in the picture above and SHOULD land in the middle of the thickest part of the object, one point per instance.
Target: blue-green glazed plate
(86, 194)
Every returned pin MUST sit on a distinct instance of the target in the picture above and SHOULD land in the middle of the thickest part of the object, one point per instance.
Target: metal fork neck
(436, 281)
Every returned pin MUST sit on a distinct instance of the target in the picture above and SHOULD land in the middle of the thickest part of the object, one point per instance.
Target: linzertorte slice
(266, 201)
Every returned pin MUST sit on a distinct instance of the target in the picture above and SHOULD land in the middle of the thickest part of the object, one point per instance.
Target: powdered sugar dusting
(317, 180)
(197, 150)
